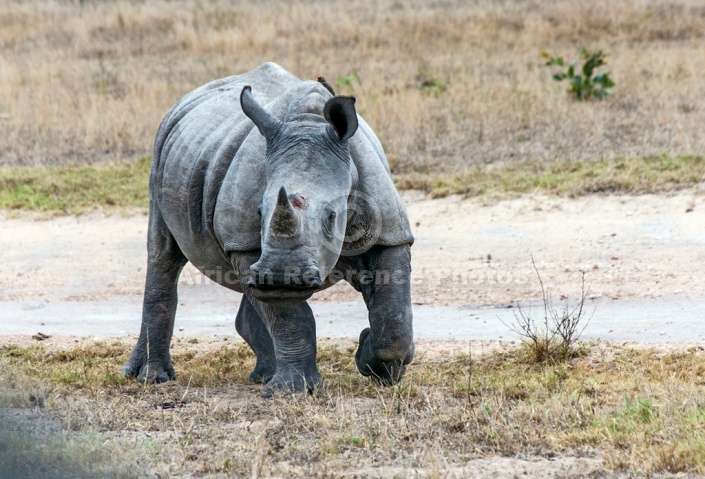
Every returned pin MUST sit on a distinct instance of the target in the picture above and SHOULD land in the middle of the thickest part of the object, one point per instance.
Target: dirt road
(642, 258)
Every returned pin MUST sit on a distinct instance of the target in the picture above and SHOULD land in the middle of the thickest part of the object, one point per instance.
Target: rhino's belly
(203, 252)
(224, 275)
(206, 256)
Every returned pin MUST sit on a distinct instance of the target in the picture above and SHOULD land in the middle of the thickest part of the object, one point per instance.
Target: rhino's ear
(340, 113)
(266, 123)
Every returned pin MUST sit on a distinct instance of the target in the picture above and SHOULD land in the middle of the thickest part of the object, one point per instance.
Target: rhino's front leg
(150, 359)
(283, 339)
(250, 326)
(387, 346)
(293, 332)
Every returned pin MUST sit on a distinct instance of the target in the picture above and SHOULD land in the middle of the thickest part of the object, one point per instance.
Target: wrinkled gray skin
(276, 191)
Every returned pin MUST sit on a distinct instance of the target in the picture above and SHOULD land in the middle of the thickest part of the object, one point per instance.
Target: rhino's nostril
(253, 277)
(312, 278)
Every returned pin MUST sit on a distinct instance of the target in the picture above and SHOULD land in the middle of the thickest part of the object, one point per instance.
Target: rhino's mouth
(282, 296)
(283, 288)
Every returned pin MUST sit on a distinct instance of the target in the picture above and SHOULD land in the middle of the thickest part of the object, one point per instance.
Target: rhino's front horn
(285, 220)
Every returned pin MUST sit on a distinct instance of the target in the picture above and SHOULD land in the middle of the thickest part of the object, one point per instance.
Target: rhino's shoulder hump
(376, 184)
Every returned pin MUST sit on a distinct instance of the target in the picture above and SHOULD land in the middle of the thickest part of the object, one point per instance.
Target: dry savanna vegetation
(643, 409)
(456, 90)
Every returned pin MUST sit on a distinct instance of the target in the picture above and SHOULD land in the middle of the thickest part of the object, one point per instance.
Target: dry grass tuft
(643, 409)
(552, 337)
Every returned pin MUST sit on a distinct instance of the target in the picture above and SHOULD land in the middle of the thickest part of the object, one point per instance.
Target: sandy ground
(641, 256)
(466, 252)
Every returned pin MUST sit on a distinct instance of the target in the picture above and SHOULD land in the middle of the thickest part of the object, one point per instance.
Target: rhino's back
(208, 173)
(196, 144)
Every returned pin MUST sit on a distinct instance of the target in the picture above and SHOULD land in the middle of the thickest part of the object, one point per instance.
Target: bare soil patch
(467, 251)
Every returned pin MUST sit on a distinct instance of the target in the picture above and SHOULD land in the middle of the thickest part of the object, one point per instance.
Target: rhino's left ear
(340, 113)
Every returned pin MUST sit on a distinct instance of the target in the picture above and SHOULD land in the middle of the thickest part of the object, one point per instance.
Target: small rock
(40, 336)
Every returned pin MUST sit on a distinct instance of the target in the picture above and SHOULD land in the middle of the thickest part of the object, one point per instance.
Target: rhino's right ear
(340, 113)
(266, 123)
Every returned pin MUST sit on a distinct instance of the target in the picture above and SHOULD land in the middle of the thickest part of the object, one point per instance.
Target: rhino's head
(304, 210)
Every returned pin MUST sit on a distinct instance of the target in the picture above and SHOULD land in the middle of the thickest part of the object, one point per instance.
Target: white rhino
(274, 187)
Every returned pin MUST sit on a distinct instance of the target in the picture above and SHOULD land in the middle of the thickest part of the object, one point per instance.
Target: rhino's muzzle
(283, 297)
(288, 277)
(283, 288)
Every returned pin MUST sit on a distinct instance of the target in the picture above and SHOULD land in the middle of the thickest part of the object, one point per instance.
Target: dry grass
(447, 85)
(643, 409)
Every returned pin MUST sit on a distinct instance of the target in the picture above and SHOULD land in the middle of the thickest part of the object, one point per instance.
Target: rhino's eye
(259, 212)
(329, 222)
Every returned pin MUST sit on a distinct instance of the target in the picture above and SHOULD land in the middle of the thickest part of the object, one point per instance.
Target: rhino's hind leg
(387, 346)
(250, 326)
(293, 332)
(150, 359)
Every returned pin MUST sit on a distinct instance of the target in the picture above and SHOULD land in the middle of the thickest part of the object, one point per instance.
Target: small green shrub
(429, 82)
(348, 80)
(583, 84)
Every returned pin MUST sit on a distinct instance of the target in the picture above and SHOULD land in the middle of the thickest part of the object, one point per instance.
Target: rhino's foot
(263, 372)
(292, 381)
(153, 371)
(386, 372)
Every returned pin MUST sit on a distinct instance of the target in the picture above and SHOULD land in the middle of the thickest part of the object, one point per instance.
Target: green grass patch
(653, 174)
(61, 190)
(76, 189)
